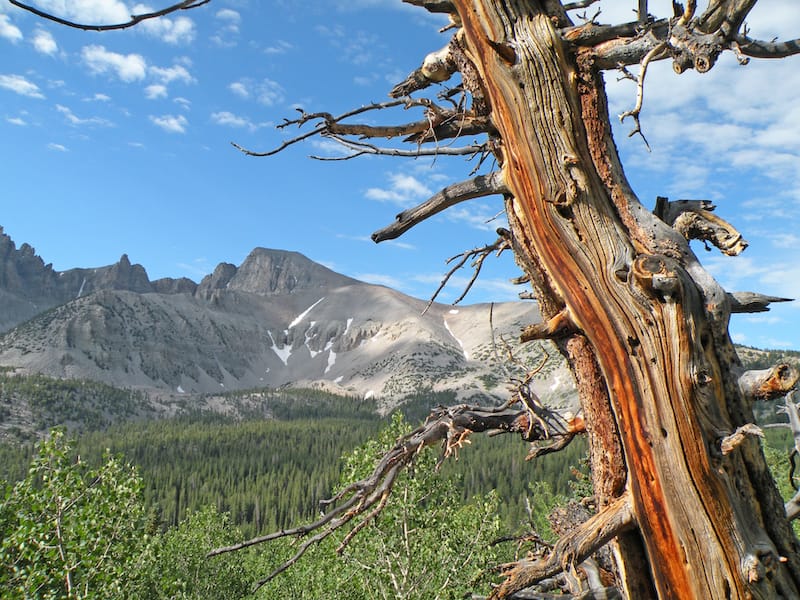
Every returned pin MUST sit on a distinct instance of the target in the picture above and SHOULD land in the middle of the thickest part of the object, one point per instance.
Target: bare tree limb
(762, 49)
(363, 500)
(659, 51)
(362, 148)
(752, 302)
(572, 549)
(769, 384)
(478, 187)
(134, 20)
(436, 67)
(729, 443)
(694, 220)
(560, 325)
(479, 254)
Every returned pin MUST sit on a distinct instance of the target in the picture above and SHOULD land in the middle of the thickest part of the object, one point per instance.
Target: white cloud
(100, 97)
(77, 121)
(8, 30)
(178, 30)
(128, 67)
(228, 119)
(171, 123)
(266, 91)
(16, 121)
(155, 91)
(169, 74)
(279, 47)
(240, 89)
(57, 147)
(19, 85)
(184, 103)
(229, 30)
(87, 11)
(44, 42)
(227, 14)
(403, 190)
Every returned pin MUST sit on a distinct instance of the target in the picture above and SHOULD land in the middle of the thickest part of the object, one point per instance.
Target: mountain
(278, 319)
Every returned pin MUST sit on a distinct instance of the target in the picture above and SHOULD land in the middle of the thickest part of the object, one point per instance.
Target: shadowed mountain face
(277, 319)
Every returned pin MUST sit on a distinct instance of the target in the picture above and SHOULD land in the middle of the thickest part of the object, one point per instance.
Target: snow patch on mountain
(302, 315)
(283, 352)
(460, 343)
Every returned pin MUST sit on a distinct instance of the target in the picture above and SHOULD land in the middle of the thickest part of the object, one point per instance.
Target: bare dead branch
(694, 220)
(559, 326)
(659, 51)
(762, 49)
(724, 16)
(134, 20)
(572, 549)
(326, 120)
(729, 443)
(363, 500)
(478, 187)
(436, 67)
(769, 384)
(434, 6)
(362, 148)
(752, 302)
(579, 4)
(479, 255)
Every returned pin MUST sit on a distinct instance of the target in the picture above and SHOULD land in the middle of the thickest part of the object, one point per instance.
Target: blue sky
(119, 142)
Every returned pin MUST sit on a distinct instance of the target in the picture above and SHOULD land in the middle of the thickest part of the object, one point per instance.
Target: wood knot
(654, 275)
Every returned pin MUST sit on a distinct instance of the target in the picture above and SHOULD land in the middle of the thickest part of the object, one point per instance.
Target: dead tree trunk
(657, 372)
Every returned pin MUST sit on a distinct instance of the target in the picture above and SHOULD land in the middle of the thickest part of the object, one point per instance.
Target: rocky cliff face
(277, 319)
(28, 286)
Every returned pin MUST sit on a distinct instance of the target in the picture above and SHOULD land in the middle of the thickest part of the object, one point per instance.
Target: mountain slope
(278, 319)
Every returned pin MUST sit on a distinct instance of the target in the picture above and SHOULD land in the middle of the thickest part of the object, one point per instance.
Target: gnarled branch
(478, 187)
(762, 49)
(752, 302)
(479, 254)
(572, 549)
(134, 20)
(363, 500)
(769, 384)
(694, 220)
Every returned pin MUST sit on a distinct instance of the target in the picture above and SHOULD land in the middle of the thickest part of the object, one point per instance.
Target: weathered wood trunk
(650, 350)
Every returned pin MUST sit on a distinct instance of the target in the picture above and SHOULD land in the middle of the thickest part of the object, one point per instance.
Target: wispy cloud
(171, 123)
(44, 42)
(127, 67)
(279, 47)
(88, 11)
(403, 190)
(228, 31)
(57, 147)
(167, 75)
(9, 31)
(155, 91)
(171, 30)
(19, 121)
(229, 119)
(76, 121)
(266, 91)
(20, 85)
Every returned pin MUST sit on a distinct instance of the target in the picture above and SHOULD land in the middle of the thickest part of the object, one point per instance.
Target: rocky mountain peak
(272, 272)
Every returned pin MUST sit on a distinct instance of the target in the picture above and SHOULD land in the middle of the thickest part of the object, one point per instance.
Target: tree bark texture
(656, 370)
